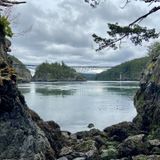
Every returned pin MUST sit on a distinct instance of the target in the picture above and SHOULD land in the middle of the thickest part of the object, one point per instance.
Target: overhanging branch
(133, 31)
(9, 3)
(155, 9)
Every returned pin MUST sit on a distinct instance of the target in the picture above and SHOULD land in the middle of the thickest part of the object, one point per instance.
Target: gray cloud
(62, 30)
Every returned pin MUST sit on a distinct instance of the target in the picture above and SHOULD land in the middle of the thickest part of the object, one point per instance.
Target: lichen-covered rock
(51, 130)
(63, 158)
(66, 151)
(145, 157)
(154, 142)
(121, 131)
(133, 145)
(108, 154)
(147, 98)
(90, 133)
(85, 146)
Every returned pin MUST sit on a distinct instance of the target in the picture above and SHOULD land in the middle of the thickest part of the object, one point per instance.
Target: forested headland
(56, 72)
(127, 71)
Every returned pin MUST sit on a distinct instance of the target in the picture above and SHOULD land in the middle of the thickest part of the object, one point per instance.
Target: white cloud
(62, 29)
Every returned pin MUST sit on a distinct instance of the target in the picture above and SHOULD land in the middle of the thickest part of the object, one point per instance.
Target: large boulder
(133, 145)
(51, 130)
(145, 157)
(121, 131)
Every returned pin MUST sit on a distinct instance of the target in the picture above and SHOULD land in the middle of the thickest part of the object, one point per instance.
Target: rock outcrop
(147, 99)
(20, 136)
(23, 74)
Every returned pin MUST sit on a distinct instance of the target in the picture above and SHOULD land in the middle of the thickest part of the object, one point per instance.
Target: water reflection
(130, 92)
(25, 90)
(75, 105)
(56, 92)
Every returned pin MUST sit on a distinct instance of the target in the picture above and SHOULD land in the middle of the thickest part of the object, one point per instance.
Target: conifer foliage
(133, 31)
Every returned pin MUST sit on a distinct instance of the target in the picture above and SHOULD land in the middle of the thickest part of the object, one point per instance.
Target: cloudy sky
(61, 30)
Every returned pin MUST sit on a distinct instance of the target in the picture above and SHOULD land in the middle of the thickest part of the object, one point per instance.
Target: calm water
(74, 105)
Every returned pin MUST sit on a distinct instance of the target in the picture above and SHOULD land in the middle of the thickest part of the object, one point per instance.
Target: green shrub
(5, 26)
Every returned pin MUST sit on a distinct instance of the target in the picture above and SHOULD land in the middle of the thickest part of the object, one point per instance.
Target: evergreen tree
(133, 31)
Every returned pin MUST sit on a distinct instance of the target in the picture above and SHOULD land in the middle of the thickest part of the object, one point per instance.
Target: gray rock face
(121, 131)
(154, 142)
(23, 74)
(20, 136)
(133, 145)
(144, 157)
(62, 158)
(147, 99)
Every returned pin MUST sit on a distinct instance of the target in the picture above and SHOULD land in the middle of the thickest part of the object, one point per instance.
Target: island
(47, 72)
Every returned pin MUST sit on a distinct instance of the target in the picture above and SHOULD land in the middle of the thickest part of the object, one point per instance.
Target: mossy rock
(154, 133)
(150, 66)
(109, 154)
(85, 146)
(145, 157)
(121, 131)
(133, 145)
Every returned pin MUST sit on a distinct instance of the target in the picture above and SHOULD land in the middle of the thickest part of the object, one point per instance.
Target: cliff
(23, 74)
(56, 72)
(20, 136)
(147, 98)
(127, 71)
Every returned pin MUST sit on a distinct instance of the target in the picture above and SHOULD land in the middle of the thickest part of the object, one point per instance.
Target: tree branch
(150, 1)
(12, 2)
(155, 9)
(134, 32)
(9, 3)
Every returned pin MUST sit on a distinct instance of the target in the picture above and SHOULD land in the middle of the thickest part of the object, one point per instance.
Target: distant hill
(130, 71)
(23, 74)
(56, 72)
(89, 76)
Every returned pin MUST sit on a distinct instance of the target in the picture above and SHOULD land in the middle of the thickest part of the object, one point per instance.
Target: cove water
(73, 105)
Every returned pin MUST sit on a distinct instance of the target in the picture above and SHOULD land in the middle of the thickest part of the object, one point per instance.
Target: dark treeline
(130, 70)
